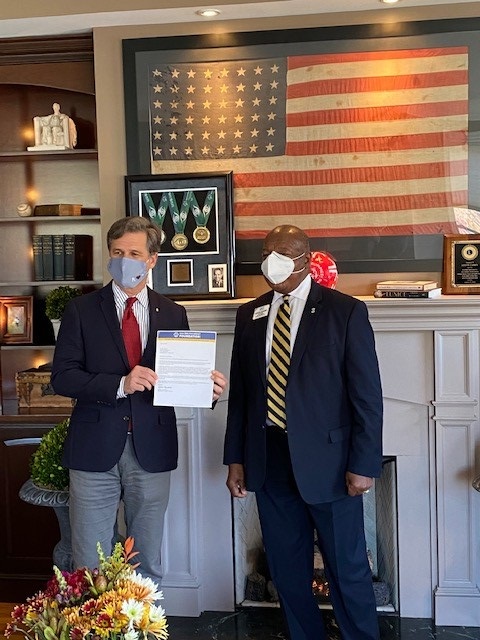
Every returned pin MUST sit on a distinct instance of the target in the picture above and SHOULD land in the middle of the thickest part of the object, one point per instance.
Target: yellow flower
(72, 607)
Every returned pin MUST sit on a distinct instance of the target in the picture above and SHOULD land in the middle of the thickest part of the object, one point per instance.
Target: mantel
(386, 315)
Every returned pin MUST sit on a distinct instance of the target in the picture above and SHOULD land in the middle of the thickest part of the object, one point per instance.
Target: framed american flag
(364, 136)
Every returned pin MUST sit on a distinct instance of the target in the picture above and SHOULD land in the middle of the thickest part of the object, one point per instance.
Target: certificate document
(184, 361)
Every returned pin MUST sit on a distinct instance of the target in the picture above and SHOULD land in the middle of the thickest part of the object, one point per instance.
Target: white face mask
(277, 267)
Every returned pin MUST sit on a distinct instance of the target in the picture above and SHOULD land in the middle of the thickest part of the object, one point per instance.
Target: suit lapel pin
(312, 310)
(156, 309)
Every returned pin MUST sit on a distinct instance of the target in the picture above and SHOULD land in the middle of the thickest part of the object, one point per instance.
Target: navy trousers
(288, 525)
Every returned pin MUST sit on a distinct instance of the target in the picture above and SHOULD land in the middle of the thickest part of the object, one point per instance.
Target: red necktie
(131, 334)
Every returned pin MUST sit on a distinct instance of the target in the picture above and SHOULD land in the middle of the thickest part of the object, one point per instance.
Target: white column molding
(457, 596)
(180, 562)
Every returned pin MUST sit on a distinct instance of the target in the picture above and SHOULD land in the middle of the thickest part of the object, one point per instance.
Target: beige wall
(111, 119)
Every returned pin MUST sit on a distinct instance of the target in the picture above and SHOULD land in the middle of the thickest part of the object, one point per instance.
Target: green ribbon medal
(179, 219)
(157, 216)
(201, 234)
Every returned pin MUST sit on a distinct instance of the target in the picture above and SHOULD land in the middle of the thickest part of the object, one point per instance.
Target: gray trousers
(94, 501)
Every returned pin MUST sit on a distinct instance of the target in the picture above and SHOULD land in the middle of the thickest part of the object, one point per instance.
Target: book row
(403, 293)
(62, 257)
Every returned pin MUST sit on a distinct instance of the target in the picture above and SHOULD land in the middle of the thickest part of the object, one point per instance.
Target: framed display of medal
(194, 212)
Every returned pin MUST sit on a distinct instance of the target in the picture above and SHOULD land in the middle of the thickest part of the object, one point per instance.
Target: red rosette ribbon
(323, 269)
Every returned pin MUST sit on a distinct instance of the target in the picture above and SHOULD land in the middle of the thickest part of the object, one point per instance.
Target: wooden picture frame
(461, 264)
(16, 319)
(413, 242)
(195, 215)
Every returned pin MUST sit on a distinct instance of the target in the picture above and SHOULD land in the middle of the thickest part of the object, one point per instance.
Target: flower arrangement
(46, 469)
(112, 602)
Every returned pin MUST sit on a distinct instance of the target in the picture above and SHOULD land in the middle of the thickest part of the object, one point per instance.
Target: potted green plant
(46, 469)
(55, 302)
(48, 487)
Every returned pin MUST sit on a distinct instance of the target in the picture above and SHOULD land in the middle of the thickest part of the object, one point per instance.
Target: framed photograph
(317, 129)
(217, 278)
(16, 319)
(461, 264)
(194, 213)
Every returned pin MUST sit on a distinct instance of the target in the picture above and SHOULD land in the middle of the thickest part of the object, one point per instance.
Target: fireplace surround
(380, 518)
(429, 360)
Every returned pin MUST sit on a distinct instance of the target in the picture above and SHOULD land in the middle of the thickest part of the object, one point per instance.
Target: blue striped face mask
(126, 272)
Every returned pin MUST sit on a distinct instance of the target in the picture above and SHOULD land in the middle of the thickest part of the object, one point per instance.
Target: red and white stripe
(376, 145)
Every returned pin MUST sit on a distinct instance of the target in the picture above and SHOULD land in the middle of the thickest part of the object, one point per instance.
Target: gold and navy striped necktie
(279, 366)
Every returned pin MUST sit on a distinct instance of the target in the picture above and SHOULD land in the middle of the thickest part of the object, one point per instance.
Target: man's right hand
(140, 379)
(236, 480)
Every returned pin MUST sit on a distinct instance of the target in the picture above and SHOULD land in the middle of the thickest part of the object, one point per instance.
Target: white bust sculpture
(55, 131)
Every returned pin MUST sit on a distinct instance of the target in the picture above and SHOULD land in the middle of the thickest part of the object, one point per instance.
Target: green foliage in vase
(56, 300)
(46, 468)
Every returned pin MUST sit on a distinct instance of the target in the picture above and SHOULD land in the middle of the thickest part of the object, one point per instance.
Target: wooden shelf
(11, 347)
(33, 219)
(41, 283)
(79, 154)
(34, 416)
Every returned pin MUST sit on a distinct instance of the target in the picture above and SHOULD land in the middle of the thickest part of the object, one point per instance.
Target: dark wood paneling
(28, 532)
(33, 50)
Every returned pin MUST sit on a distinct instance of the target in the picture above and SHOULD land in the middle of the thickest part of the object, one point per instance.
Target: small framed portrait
(217, 278)
(16, 319)
(193, 213)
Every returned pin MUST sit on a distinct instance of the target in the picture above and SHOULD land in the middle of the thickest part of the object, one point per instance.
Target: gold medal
(201, 235)
(163, 236)
(179, 241)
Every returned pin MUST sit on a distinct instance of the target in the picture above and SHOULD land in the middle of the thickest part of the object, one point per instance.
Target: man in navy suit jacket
(309, 477)
(119, 445)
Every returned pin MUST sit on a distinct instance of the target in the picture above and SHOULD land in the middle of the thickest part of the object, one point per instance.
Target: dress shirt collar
(301, 292)
(120, 296)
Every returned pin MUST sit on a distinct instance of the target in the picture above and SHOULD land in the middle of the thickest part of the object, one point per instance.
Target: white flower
(133, 609)
(147, 583)
(156, 613)
(131, 634)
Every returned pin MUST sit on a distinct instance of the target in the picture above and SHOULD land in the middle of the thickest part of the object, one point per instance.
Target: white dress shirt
(298, 298)
(140, 311)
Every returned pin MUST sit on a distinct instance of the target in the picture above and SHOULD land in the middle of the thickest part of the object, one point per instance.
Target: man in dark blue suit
(310, 450)
(119, 445)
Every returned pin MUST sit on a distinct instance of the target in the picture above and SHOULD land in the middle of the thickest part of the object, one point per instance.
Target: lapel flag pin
(312, 310)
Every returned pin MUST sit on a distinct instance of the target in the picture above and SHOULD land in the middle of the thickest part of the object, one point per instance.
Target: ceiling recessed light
(389, 1)
(208, 13)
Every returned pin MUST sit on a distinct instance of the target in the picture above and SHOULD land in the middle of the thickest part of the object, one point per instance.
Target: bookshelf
(35, 73)
(23, 229)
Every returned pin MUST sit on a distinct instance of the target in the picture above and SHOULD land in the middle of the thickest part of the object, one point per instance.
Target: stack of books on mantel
(407, 289)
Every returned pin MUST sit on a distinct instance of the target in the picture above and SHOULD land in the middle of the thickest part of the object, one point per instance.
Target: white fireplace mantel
(429, 359)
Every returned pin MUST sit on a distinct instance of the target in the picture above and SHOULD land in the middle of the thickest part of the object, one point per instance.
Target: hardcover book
(407, 285)
(58, 257)
(37, 257)
(396, 293)
(57, 210)
(47, 256)
(78, 257)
